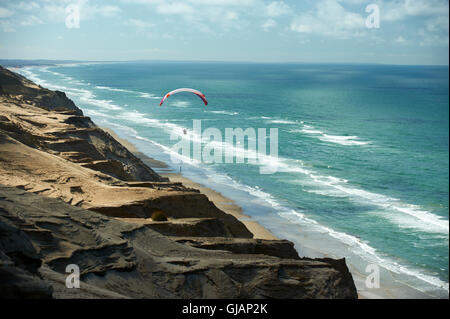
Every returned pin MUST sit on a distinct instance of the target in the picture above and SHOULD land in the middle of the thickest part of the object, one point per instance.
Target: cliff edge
(71, 194)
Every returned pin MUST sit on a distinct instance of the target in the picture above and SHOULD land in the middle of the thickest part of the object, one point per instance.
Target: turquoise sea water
(363, 163)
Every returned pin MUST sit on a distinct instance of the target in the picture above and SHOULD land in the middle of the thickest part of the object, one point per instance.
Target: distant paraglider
(198, 93)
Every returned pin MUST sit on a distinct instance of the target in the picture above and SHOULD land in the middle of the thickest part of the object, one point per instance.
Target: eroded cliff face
(119, 259)
(20, 88)
(49, 121)
(71, 194)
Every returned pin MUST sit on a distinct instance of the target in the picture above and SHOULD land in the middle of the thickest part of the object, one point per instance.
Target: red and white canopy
(198, 93)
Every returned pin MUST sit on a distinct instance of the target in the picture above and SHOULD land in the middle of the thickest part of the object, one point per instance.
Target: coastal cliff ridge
(70, 193)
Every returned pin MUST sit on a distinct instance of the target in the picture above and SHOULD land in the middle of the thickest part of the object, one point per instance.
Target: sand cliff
(71, 194)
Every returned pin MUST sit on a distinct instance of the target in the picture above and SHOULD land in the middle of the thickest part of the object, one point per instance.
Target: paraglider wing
(198, 93)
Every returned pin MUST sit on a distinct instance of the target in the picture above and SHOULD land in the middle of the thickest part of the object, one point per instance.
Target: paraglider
(198, 93)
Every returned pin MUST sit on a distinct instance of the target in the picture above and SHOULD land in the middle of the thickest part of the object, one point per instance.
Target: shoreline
(68, 205)
(223, 203)
(388, 291)
(236, 209)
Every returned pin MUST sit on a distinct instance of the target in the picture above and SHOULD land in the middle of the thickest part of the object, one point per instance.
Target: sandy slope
(71, 193)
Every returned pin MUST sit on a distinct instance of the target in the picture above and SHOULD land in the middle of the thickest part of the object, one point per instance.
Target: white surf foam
(343, 140)
(172, 153)
(403, 214)
(149, 96)
(83, 95)
(281, 121)
(368, 253)
(354, 244)
(406, 215)
(98, 115)
(223, 112)
(144, 95)
(359, 247)
(337, 139)
(123, 128)
(64, 77)
(178, 103)
(107, 88)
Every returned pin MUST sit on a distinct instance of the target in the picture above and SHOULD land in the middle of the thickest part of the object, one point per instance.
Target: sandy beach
(92, 168)
(394, 290)
(225, 204)
(86, 200)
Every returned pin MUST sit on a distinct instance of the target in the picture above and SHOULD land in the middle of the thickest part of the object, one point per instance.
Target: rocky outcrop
(71, 194)
(52, 176)
(191, 227)
(277, 248)
(19, 262)
(20, 88)
(17, 283)
(63, 130)
(123, 259)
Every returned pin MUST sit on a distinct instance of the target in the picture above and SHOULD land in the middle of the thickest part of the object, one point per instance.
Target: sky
(309, 31)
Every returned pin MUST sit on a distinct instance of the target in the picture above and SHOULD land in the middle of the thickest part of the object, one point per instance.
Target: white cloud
(268, 24)
(329, 19)
(400, 40)
(277, 8)
(139, 23)
(25, 6)
(107, 11)
(209, 3)
(26, 14)
(432, 15)
(53, 13)
(30, 20)
(174, 8)
(6, 26)
(353, 2)
(215, 18)
(435, 32)
(238, 3)
(57, 12)
(231, 15)
(142, 1)
(4, 13)
(434, 40)
(401, 9)
(438, 24)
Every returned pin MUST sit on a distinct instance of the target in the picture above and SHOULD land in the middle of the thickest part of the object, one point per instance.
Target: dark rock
(49, 149)
(75, 133)
(134, 261)
(110, 167)
(19, 262)
(277, 248)
(177, 205)
(191, 227)
(15, 84)
(17, 283)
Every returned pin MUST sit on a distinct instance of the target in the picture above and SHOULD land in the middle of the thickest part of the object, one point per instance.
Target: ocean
(363, 151)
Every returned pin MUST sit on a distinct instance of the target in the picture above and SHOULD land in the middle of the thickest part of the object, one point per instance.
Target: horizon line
(63, 61)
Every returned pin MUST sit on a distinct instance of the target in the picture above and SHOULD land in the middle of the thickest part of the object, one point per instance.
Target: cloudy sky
(409, 32)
